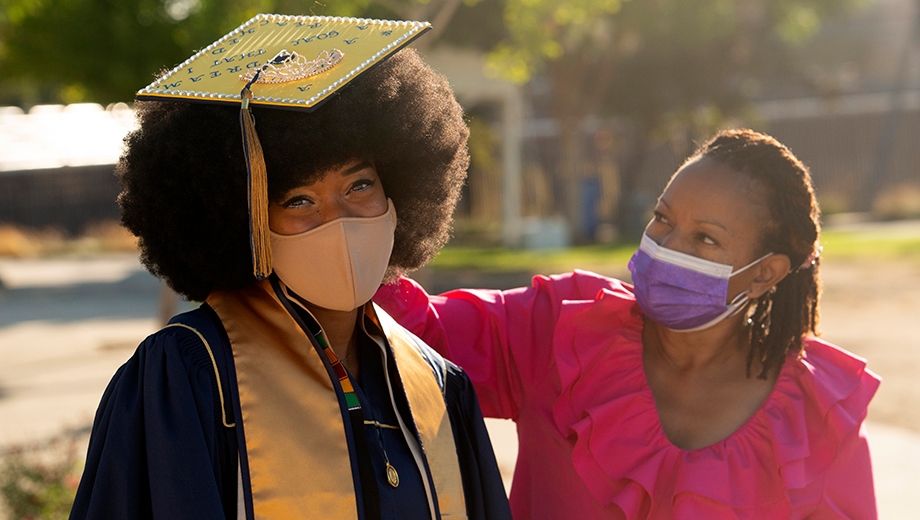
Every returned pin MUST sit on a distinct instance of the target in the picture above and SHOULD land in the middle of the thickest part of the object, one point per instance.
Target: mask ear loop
(736, 305)
(745, 268)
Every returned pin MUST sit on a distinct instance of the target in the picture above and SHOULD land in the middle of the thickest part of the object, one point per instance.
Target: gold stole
(298, 455)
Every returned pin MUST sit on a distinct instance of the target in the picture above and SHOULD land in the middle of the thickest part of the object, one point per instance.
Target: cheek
(274, 218)
(377, 205)
(291, 222)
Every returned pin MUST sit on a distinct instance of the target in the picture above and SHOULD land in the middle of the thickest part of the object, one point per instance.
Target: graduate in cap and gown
(279, 176)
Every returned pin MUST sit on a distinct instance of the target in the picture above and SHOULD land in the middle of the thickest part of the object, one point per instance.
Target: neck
(722, 345)
(340, 328)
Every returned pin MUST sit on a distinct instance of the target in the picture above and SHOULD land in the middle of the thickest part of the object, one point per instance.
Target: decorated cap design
(307, 57)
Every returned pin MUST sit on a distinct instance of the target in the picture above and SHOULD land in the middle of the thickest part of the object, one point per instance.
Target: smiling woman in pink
(699, 392)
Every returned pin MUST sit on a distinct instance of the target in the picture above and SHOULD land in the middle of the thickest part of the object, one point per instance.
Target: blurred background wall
(579, 110)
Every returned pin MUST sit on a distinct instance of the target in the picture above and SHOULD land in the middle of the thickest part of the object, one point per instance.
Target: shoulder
(184, 363)
(191, 342)
(835, 383)
(825, 392)
(823, 357)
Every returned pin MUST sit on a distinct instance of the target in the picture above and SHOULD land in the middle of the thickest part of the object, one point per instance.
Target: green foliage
(544, 31)
(39, 486)
(601, 258)
(872, 244)
(548, 30)
(105, 50)
(798, 24)
(656, 61)
(869, 244)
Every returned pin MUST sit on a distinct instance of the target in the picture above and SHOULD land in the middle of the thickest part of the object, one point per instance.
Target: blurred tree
(669, 66)
(104, 50)
(101, 50)
(664, 64)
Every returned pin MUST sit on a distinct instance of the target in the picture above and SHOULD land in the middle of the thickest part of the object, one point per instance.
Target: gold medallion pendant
(392, 475)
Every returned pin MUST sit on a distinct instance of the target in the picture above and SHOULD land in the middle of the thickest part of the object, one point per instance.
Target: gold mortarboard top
(315, 55)
(280, 61)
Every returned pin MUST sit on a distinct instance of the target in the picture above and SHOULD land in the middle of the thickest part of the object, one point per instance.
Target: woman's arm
(469, 327)
(502, 339)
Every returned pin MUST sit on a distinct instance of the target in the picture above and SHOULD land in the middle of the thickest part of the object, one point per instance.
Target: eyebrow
(356, 168)
(712, 223)
(661, 200)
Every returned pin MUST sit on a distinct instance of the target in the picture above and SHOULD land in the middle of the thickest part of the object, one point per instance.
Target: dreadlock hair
(781, 317)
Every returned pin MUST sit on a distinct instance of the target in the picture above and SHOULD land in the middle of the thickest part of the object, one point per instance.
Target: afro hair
(183, 173)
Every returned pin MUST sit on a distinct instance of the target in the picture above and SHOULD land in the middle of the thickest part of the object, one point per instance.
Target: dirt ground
(873, 310)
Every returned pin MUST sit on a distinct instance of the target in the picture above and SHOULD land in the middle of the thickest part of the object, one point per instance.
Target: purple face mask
(680, 291)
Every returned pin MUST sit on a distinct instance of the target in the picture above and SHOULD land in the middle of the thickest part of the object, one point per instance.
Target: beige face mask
(338, 265)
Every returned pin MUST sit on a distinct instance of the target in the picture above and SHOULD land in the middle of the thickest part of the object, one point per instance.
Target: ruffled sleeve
(818, 423)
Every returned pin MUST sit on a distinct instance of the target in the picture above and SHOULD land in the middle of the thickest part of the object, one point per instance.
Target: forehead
(341, 172)
(709, 190)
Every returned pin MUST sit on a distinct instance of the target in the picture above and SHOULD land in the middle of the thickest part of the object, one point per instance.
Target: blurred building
(57, 164)
(853, 116)
(860, 129)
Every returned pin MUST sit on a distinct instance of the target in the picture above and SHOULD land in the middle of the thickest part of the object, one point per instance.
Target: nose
(333, 209)
(674, 241)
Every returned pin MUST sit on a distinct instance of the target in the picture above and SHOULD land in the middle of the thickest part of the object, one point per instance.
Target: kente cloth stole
(298, 455)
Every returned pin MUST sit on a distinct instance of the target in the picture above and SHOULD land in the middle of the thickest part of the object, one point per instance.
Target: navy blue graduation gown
(159, 447)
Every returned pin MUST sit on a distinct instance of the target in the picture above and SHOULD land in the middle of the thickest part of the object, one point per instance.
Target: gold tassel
(258, 192)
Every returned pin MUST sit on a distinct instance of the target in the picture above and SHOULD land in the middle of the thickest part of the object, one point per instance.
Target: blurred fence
(861, 161)
(67, 199)
(856, 160)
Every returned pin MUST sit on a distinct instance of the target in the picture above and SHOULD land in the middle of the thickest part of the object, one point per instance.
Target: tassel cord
(257, 188)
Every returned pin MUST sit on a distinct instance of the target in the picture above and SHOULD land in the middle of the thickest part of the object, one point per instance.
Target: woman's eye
(361, 185)
(296, 202)
(708, 240)
(661, 218)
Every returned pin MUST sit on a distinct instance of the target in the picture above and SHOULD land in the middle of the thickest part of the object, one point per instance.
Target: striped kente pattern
(351, 400)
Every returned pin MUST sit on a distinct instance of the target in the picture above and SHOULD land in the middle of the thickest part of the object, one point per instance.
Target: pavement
(67, 324)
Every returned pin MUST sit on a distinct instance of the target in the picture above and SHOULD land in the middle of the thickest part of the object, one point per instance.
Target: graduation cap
(282, 61)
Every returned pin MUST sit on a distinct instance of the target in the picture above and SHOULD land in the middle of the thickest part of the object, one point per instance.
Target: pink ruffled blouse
(563, 359)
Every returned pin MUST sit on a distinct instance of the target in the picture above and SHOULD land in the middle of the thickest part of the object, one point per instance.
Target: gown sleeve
(483, 487)
(503, 340)
(158, 449)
